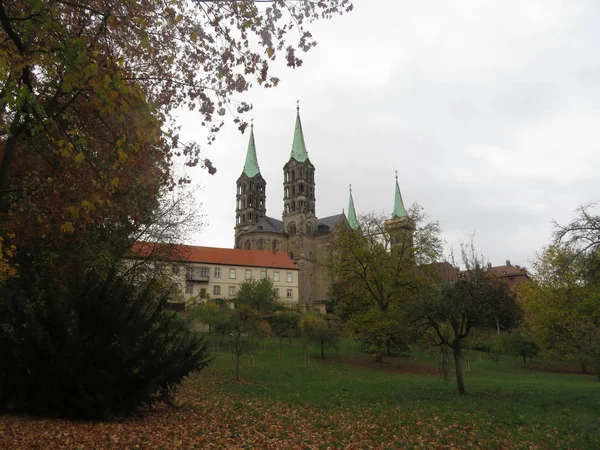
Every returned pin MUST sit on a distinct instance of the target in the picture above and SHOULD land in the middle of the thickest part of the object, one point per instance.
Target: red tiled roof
(507, 271)
(214, 255)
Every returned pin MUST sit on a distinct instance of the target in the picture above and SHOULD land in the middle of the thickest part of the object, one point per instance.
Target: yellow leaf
(67, 227)
(74, 211)
(115, 181)
(86, 205)
(122, 156)
(79, 158)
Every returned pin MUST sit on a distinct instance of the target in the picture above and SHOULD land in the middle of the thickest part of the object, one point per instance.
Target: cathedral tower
(352, 220)
(299, 188)
(251, 192)
(400, 227)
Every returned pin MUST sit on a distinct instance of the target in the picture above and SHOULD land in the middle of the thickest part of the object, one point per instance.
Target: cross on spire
(298, 105)
(350, 185)
(396, 175)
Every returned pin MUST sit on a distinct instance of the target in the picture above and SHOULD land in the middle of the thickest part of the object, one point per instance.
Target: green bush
(102, 346)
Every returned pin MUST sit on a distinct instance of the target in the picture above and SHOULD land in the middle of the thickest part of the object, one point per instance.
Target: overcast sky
(490, 112)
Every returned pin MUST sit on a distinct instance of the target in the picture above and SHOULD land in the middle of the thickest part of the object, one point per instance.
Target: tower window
(261, 244)
(275, 246)
(301, 188)
(292, 229)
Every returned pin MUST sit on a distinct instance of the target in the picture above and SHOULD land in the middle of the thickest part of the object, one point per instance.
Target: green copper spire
(299, 152)
(251, 167)
(399, 210)
(352, 220)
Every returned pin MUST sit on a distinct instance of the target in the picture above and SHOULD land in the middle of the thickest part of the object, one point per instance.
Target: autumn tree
(284, 325)
(318, 330)
(374, 273)
(207, 312)
(247, 320)
(88, 88)
(562, 310)
(447, 315)
(258, 295)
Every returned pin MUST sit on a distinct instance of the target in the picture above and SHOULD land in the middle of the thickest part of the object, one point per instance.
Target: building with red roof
(211, 272)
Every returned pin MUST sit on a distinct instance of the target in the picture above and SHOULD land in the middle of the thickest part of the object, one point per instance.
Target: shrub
(102, 346)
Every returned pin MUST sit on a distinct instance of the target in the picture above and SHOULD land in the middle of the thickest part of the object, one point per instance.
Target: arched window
(248, 245)
(292, 229)
(275, 246)
(261, 244)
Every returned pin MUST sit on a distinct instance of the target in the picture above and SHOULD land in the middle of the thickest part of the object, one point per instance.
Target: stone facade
(303, 236)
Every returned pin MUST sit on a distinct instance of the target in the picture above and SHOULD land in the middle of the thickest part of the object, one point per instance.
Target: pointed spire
(251, 168)
(299, 152)
(352, 220)
(399, 210)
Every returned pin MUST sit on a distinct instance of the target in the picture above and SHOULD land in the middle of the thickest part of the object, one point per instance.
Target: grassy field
(345, 401)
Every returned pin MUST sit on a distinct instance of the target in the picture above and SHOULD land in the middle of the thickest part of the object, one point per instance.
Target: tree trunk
(322, 351)
(379, 352)
(459, 370)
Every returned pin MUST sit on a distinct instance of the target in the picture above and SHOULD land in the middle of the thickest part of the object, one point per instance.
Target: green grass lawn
(344, 402)
(504, 403)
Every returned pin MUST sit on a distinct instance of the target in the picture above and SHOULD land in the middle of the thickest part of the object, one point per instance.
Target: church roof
(267, 225)
(399, 210)
(330, 222)
(251, 166)
(299, 152)
(352, 220)
(214, 255)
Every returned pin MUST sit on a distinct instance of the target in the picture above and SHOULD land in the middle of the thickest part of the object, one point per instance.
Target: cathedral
(300, 232)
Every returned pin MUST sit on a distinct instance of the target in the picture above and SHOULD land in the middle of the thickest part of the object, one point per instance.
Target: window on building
(263, 274)
(248, 274)
(217, 272)
(275, 246)
(231, 291)
(232, 274)
(205, 271)
(203, 293)
(189, 288)
(189, 272)
(276, 292)
(289, 277)
(290, 293)
(216, 290)
(261, 244)
(248, 245)
(292, 229)
(275, 276)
